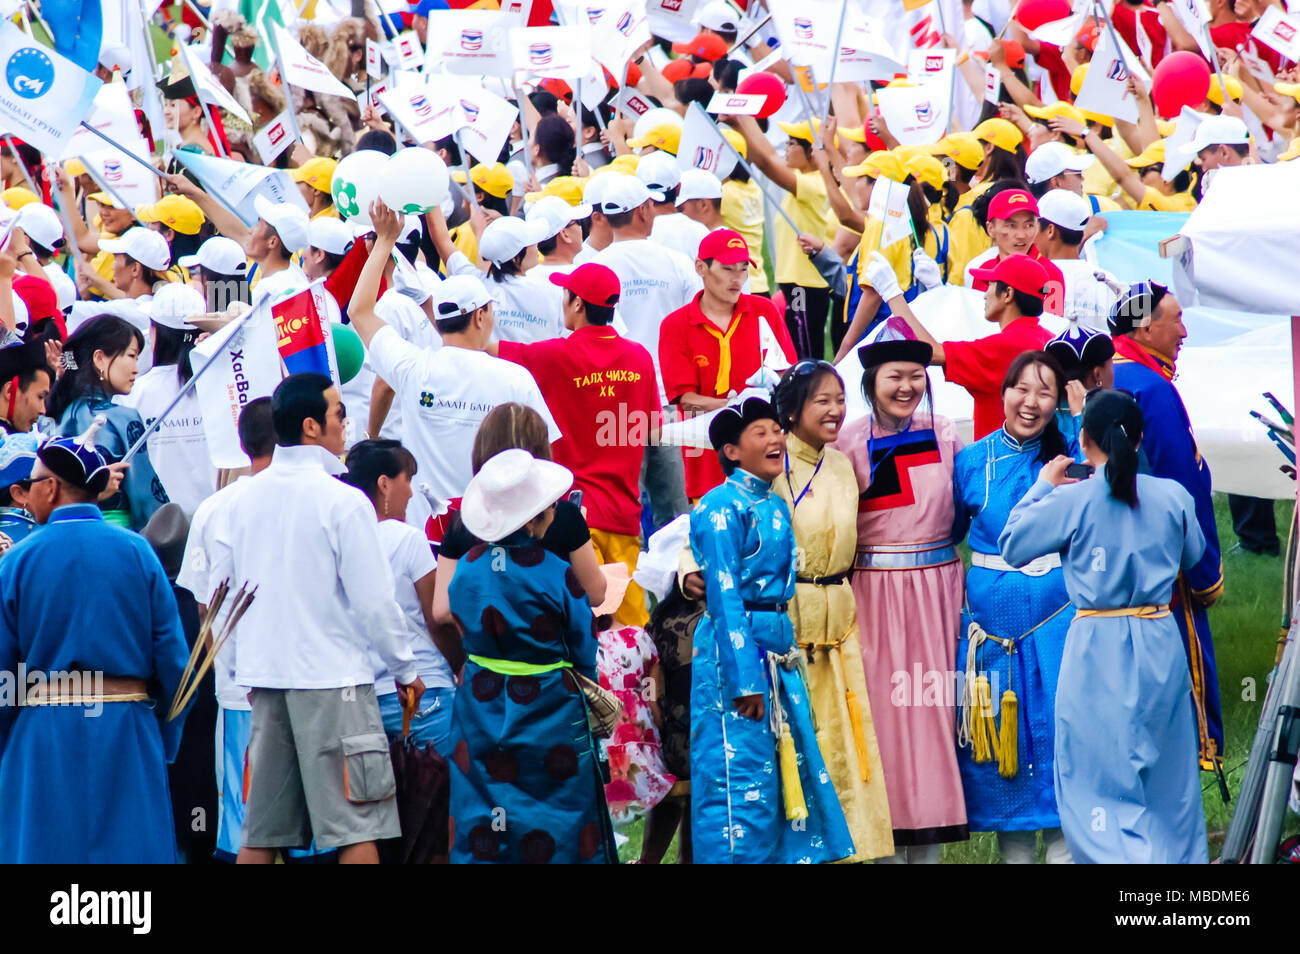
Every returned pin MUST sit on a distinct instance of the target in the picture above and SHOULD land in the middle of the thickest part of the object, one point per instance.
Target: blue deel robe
(743, 541)
(1168, 449)
(76, 786)
(526, 783)
(989, 478)
(142, 492)
(1127, 780)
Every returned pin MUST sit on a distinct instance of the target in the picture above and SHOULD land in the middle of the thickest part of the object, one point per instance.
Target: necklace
(807, 488)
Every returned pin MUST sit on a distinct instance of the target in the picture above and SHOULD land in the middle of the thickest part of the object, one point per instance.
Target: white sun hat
(511, 489)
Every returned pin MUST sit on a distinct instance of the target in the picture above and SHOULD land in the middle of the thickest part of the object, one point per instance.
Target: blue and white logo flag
(43, 95)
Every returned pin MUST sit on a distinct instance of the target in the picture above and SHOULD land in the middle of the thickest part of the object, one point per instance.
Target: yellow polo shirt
(809, 209)
(742, 211)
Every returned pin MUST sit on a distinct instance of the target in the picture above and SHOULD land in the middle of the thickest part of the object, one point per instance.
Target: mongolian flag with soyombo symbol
(301, 334)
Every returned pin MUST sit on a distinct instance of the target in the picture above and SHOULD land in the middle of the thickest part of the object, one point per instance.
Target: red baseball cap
(725, 247)
(1019, 271)
(685, 69)
(594, 284)
(39, 297)
(706, 46)
(1010, 201)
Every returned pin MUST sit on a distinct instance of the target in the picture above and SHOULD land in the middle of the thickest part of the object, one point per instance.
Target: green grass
(1245, 623)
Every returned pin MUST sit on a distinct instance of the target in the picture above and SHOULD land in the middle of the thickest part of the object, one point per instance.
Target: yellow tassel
(859, 735)
(1009, 741)
(795, 807)
(982, 732)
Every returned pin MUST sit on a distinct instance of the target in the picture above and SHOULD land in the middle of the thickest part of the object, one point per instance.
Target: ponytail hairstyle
(1113, 421)
(1051, 441)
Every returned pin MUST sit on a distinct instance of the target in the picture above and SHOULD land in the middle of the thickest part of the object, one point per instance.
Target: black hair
(547, 245)
(727, 74)
(795, 387)
(182, 244)
(257, 428)
(454, 324)
(740, 173)
(807, 146)
(544, 101)
(1040, 189)
(497, 203)
(618, 220)
(379, 140)
(1113, 421)
(919, 210)
(500, 271)
(295, 399)
(554, 140)
(27, 376)
(728, 465)
(1052, 441)
(448, 144)
(693, 89)
(217, 281)
(1008, 165)
(980, 205)
(1071, 237)
(369, 460)
(670, 196)
(173, 346)
(596, 314)
(1031, 306)
(107, 333)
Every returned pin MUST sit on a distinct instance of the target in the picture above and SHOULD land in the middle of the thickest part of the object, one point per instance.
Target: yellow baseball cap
(104, 199)
(853, 133)
(568, 188)
(625, 164)
(927, 169)
(1056, 110)
(174, 211)
(1152, 155)
(1286, 89)
(906, 152)
(74, 168)
(737, 141)
(800, 130)
(1292, 152)
(495, 179)
(1215, 95)
(666, 137)
(999, 133)
(316, 172)
(19, 196)
(962, 148)
(1166, 127)
(879, 163)
(1077, 78)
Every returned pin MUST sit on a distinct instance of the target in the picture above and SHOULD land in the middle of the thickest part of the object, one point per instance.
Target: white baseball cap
(507, 236)
(1219, 131)
(1064, 208)
(42, 225)
(175, 302)
(698, 184)
(218, 254)
(1051, 159)
(556, 213)
(144, 245)
(289, 222)
(460, 295)
(594, 190)
(115, 56)
(718, 16)
(330, 235)
(624, 194)
(659, 172)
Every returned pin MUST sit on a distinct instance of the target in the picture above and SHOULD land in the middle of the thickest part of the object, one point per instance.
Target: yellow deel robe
(825, 626)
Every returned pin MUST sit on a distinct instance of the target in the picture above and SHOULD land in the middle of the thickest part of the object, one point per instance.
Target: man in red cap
(713, 345)
(601, 387)
(1014, 300)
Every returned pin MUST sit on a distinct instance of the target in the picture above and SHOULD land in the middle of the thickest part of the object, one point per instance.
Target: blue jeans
(431, 722)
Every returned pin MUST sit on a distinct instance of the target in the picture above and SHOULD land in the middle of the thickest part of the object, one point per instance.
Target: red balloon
(1181, 79)
(1031, 14)
(764, 84)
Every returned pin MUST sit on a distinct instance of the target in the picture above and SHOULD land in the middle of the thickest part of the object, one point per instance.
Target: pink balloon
(1031, 14)
(1181, 79)
(764, 84)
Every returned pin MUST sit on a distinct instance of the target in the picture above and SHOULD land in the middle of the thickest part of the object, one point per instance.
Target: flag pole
(203, 103)
(1114, 38)
(835, 62)
(464, 164)
(952, 76)
(105, 187)
(120, 148)
(288, 91)
(747, 167)
(757, 26)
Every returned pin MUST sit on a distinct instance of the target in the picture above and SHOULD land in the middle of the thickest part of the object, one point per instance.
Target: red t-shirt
(1049, 58)
(979, 367)
(1125, 19)
(1229, 36)
(688, 361)
(601, 390)
(1054, 300)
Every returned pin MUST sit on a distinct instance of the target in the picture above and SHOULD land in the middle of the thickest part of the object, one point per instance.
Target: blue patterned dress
(742, 539)
(525, 779)
(990, 477)
(142, 492)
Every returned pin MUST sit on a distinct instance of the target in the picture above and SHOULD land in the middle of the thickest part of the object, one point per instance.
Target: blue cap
(17, 457)
(1080, 349)
(423, 8)
(77, 460)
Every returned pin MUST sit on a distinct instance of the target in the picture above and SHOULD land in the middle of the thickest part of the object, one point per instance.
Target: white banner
(618, 32)
(44, 95)
(209, 90)
(702, 145)
(470, 42)
(671, 19)
(113, 115)
(410, 54)
(559, 52)
(275, 137)
(633, 104)
(889, 205)
(1105, 89)
(1280, 32)
(736, 104)
(485, 122)
(374, 60)
(917, 115)
(419, 114)
(304, 70)
(247, 368)
(133, 182)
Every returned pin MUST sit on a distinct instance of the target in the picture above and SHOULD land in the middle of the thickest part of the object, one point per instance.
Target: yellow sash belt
(1141, 612)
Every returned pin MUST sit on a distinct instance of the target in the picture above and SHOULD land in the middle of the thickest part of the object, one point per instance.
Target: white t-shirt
(409, 320)
(526, 307)
(178, 449)
(410, 559)
(1086, 298)
(283, 282)
(445, 394)
(65, 289)
(679, 232)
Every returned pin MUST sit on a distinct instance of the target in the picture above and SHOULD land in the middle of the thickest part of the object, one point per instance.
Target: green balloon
(349, 351)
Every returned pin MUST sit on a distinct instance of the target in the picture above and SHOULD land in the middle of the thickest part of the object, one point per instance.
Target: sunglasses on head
(807, 366)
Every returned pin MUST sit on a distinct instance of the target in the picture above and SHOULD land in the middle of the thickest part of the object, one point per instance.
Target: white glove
(880, 276)
(926, 270)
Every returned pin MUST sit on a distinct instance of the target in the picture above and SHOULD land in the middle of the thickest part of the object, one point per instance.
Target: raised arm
(361, 307)
(222, 219)
(1119, 170)
(764, 156)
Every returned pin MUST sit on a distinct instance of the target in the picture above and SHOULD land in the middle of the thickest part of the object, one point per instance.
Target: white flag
(1176, 151)
(302, 69)
(470, 42)
(671, 19)
(275, 137)
(737, 104)
(992, 84)
(374, 60)
(702, 145)
(632, 104)
(113, 115)
(932, 66)
(485, 122)
(560, 52)
(889, 205)
(424, 118)
(247, 367)
(1059, 33)
(410, 54)
(207, 86)
(615, 35)
(236, 184)
(1105, 89)
(1279, 31)
(807, 31)
(917, 115)
(45, 95)
(866, 53)
(132, 182)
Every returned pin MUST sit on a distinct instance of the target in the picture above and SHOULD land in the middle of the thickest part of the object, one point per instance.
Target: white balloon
(415, 180)
(356, 183)
(660, 116)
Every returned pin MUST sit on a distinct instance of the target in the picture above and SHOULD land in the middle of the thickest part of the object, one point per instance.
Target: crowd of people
(483, 545)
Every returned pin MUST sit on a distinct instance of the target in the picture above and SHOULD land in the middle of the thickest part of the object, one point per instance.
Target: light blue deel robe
(83, 595)
(142, 492)
(1127, 773)
(990, 477)
(742, 539)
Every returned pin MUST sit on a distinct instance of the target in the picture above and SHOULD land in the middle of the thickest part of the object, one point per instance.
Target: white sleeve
(196, 564)
(393, 358)
(459, 264)
(419, 559)
(530, 395)
(368, 582)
